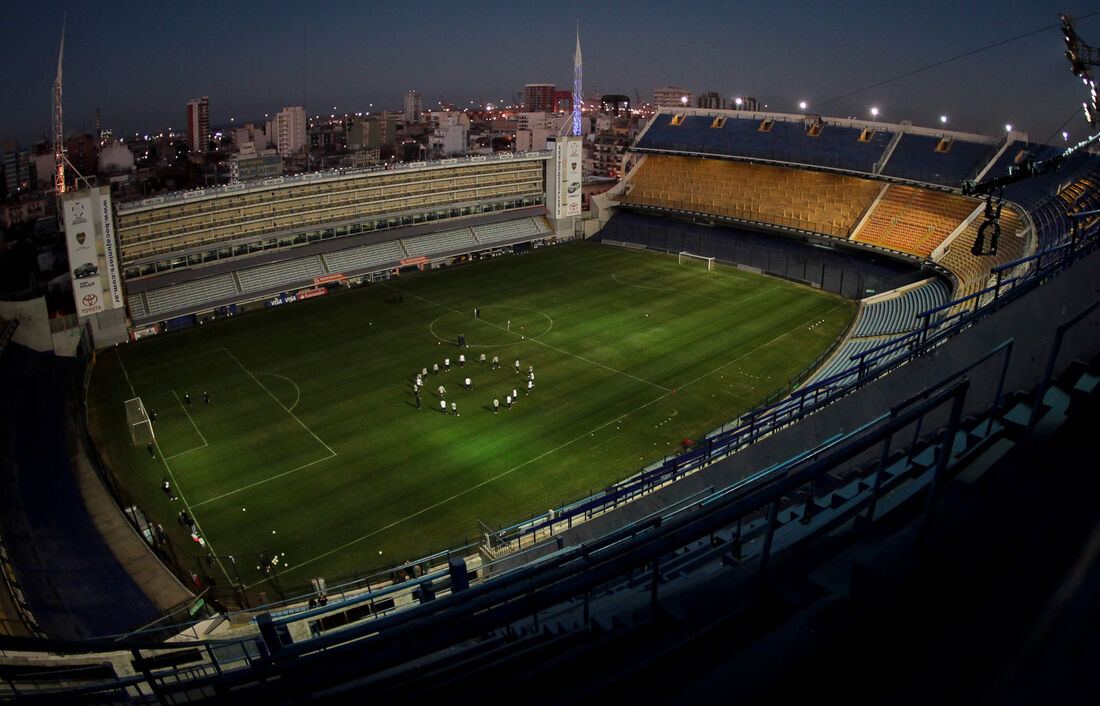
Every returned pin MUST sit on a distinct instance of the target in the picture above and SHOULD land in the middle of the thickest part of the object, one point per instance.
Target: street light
(943, 119)
(1008, 127)
(874, 111)
(802, 106)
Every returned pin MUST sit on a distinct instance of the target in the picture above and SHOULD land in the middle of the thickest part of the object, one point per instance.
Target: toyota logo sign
(90, 300)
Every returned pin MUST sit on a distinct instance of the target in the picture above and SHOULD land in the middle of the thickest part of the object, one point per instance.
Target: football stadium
(423, 432)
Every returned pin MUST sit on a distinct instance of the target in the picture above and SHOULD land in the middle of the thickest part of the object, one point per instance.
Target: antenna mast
(58, 134)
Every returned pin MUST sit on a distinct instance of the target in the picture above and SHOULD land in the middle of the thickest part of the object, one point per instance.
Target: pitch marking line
(547, 345)
(297, 390)
(431, 326)
(196, 426)
(285, 408)
(177, 490)
(261, 482)
(546, 453)
(133, 393)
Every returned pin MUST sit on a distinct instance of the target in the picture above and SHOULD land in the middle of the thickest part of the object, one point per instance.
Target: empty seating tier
(938, 160)
(280, 274)
(799, 141)
(899, 314)
(364, 257)
(510, 230)
(188, 294)
(814, 201)
(914, 220)
(973, 270)
(445, 241)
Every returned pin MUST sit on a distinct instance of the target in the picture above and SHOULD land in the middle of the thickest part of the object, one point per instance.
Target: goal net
(141, 429)
(692, 258)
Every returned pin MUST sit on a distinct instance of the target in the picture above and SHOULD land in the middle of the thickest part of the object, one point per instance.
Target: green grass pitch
(312, 445)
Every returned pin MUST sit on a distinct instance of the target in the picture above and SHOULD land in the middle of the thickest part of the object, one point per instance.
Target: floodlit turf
(313, 446)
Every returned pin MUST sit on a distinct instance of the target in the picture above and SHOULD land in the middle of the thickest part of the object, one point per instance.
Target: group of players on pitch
(437, 369)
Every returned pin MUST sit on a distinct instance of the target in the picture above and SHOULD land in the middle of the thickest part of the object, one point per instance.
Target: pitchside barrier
(624, 244)
(936, 325)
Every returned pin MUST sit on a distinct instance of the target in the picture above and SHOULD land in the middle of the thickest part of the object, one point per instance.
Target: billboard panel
(110, 251)
(564, 183)
(571, 170)
(80, 239)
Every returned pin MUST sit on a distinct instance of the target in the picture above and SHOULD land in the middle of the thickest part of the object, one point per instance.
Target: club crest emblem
(81, 237)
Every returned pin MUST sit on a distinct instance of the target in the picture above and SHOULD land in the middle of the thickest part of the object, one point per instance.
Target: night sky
(140, 62)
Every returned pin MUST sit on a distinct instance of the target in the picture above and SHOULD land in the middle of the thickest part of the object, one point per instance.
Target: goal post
(137, 418)
(685, 256)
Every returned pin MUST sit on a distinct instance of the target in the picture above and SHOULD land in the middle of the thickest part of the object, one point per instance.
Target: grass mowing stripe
(482, 484)
(537, 341)
(744, 355)
(574, 440)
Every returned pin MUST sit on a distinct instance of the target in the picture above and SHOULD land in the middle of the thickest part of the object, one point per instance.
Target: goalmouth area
(295, 433)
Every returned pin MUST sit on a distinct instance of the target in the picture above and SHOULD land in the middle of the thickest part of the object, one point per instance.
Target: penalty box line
(196, 426)
(544, 344)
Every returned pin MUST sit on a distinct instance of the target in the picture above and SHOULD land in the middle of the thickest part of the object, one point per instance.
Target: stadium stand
(973, 271)
(788, 141)
(280, 274)
(913, 220)
(938, 160)
(898, 314)
(508, 230)
(180, 296)
(849, 273)
(813, 201)
(448, 241)
(364, 258)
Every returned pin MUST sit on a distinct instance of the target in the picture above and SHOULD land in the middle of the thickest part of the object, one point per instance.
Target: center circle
(496, 327)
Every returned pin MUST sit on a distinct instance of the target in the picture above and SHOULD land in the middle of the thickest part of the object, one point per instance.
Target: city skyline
(141, 67)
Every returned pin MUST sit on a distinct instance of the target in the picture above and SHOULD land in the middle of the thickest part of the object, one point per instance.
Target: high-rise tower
(198, 124)
(578, 98)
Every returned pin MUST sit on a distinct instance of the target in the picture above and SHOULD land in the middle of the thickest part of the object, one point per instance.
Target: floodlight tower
(578, 98)
(58, 134)
(1082, 58)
